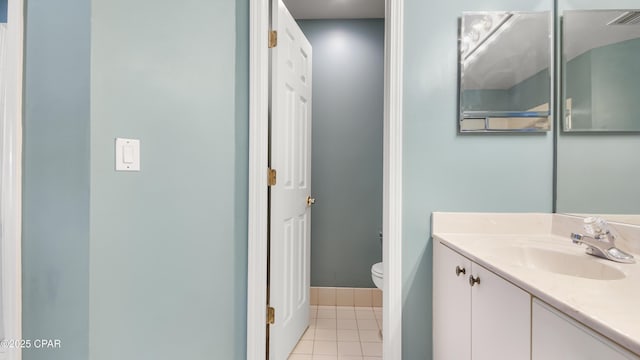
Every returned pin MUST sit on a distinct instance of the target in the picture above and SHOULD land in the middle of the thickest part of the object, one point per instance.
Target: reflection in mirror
(601, 52)
(505, 71)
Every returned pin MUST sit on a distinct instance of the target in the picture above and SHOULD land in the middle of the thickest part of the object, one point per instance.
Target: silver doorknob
(310, 201)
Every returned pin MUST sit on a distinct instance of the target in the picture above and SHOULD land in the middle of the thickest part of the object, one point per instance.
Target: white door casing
(290, 216)
(11, 172)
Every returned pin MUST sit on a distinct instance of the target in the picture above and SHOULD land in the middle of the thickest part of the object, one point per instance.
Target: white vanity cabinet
(557, 337)
(485, 320)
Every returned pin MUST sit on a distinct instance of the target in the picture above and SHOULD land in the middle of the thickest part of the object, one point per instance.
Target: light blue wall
(55, 240)
(444, 171)
(613, 187)
(166, 268)
(168, 244)
(348, 94)
(241, 178)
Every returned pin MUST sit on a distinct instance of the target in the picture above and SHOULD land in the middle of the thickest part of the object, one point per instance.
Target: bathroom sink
(582, 265)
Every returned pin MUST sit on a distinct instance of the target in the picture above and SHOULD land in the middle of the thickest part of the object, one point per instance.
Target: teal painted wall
(578, 89)
(523, 96)
(531, 92)
(3, 11)
(55, 228)
(486, 100)
(613, 187)
(165, 256)
(612, 74)
(444, 171)
(346, 176)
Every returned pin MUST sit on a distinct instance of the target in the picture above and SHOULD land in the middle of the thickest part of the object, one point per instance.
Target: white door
(290, 217)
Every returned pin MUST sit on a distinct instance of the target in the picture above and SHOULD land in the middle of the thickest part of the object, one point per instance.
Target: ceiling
(512, 54)
(336, 9)
(587, 30)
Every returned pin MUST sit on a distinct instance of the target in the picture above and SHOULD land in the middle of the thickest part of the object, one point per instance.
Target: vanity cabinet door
(451, 305)
(557, 337)
(500, 318)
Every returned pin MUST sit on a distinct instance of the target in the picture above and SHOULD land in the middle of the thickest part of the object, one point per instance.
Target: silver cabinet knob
(460, 270)
(474, 280)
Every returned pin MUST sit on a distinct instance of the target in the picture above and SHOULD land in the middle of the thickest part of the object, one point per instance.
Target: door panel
(291, 158)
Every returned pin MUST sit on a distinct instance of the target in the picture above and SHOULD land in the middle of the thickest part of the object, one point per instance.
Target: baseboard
(344, 296)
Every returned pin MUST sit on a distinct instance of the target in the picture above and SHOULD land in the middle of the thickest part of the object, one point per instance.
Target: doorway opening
(392, 180)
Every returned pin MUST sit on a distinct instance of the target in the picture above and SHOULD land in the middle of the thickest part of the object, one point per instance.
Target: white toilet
(376, 275)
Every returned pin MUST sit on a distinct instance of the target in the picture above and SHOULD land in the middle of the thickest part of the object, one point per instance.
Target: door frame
(11, 172)
(258, 164)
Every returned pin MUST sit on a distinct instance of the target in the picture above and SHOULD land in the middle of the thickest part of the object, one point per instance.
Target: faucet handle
(596, 226)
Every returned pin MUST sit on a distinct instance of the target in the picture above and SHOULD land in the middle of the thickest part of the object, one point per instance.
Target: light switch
(127, 154)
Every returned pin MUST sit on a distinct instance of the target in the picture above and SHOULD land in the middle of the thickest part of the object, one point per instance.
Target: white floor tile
(349, 349)
(326, 314)
(368, 324)
(346, 314)
(325, 357)
(370, 335)
(365, 314)
(350, 324)
(326, 334)
(303, 347)
(301, 357)
(325, 323)
(309, 334)
(325, 348)
(372, 348)
(341, 333)
(348, 335)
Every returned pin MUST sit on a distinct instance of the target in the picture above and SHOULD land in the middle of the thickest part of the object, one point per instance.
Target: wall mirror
(601, 70)
(505, 62)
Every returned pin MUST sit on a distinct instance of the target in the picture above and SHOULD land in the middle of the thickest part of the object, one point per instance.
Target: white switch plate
(127, 154)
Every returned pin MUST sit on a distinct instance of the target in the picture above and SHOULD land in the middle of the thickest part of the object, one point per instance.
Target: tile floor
(341, 333)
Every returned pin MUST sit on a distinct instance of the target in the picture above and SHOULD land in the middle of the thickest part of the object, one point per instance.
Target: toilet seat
(377, 269)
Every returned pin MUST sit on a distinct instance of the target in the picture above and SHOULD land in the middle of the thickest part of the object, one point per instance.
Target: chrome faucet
(600, 241)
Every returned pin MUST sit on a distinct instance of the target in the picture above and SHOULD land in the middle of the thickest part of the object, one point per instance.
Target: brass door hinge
(271, 177)
(273, 39)
(271, 315)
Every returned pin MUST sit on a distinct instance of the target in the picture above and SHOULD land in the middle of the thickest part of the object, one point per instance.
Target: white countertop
(610, 307)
